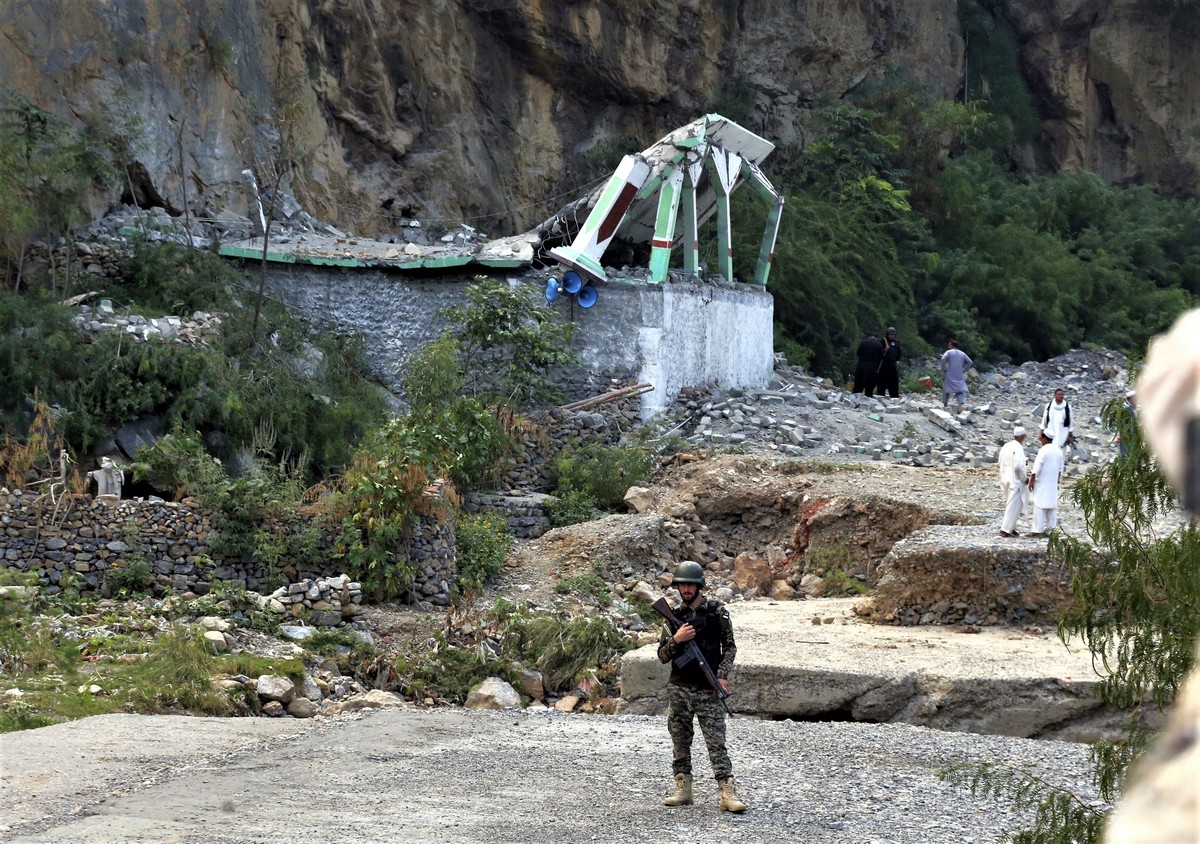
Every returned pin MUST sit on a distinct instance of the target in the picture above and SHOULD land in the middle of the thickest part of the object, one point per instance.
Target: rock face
(1113, 80)
(466, 108)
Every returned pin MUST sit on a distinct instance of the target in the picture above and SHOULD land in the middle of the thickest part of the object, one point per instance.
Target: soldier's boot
(729, 798)
(683, 791)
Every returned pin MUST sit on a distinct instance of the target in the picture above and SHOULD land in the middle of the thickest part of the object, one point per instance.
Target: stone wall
(674, 335)
(90, 537)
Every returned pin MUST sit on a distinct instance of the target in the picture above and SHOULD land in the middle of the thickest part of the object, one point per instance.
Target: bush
(572, 507)
(130, 578)
(564, 650)
(177, 674)
(602, 473)
(483, 545)
(509, 342)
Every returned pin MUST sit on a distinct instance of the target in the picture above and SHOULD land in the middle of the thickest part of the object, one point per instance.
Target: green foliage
(1136, 594)
(590, 583)
(178, 463)
(1136, 597)
(564, 650)
(381, 491)
(305, 385)
(47, 168)
(904, 210)
(602, 473)
(460, 436)
(847, 246)
(433, 377)
(177, 674)
(30, 645)
(1124, 263)
(452, 671)
(483, 545)
(331, 641)
(572, 507)
(510, 343)
(994, 66)
(131, 577)
(253, 516)
(19, 715)
(169, 278)
(1060, 816)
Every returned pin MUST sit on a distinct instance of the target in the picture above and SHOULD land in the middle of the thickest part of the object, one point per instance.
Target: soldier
(707, 622)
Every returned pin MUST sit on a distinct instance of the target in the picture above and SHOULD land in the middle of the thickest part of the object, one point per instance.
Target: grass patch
(332, 641)
(588, 583)
(177, 674)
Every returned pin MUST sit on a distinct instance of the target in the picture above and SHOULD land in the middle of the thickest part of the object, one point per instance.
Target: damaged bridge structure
(668, 321)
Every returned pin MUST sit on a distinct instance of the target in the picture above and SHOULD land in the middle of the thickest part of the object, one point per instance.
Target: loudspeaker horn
(587, 296)
(572, 281)
(552, 289)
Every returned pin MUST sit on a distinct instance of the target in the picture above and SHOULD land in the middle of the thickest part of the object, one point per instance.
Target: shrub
(130, 578)
(177, 673)
(564, 650)
(571, 507)
(483, 545)
(604, 473)
(509, 342)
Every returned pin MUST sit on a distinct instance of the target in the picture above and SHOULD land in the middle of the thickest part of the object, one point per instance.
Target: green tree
(46, 169)
(1137, 609)
(510, 344)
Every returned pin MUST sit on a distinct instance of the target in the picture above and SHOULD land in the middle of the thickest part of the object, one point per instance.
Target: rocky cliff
(483, 110)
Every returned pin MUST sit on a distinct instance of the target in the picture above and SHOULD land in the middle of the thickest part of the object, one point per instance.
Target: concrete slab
(998, 681)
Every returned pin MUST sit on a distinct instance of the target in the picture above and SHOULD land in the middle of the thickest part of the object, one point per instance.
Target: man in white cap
(1043, 480)
(1012, 481)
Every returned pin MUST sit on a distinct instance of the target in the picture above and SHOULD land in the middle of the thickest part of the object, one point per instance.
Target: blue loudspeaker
(587, 296)
(572, 281)
(552, 289)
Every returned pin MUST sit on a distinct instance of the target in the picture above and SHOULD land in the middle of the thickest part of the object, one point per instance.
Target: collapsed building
(661, 317)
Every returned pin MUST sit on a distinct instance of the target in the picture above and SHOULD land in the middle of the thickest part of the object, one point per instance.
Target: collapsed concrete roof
(690, 172)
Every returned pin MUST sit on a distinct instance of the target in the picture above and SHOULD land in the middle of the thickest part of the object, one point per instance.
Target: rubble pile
(804, 416)
(324, 601)
(196, 330)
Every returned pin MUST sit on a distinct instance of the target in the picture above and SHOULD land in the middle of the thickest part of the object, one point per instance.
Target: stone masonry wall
(89, 537)
(675, 335)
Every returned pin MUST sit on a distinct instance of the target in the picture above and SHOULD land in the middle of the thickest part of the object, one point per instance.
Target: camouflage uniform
(688, 692)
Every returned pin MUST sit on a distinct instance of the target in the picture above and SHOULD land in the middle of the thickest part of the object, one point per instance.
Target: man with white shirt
(1012, 481)
(1056, 418)
(1043, 480)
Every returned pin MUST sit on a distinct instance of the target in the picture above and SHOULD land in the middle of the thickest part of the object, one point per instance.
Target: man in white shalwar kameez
(1043, 480)
(1012, 481)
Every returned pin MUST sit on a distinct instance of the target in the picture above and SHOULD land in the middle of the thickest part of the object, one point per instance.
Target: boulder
(493, 693)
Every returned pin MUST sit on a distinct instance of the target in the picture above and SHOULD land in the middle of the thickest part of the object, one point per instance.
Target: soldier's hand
(724, 684)
(684, 634)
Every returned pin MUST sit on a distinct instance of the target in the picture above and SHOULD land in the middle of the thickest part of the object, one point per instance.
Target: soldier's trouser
(705, 707)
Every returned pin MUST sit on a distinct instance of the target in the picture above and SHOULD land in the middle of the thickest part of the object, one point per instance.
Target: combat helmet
(688, 572)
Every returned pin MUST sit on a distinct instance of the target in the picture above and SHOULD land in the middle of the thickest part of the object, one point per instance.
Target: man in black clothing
(870, 356)
(889, 372)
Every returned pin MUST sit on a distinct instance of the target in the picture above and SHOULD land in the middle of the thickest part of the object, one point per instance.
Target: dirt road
(461, 776)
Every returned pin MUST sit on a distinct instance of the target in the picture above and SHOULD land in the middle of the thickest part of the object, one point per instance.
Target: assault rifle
(691, 652)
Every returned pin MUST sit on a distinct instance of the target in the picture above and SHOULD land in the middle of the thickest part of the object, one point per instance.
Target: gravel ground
(461, 776)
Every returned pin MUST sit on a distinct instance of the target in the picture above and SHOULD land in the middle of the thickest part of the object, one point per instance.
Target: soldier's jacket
(714, 635)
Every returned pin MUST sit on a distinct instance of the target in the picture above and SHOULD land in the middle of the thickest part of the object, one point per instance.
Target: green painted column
(689, 232)
(664, 226)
